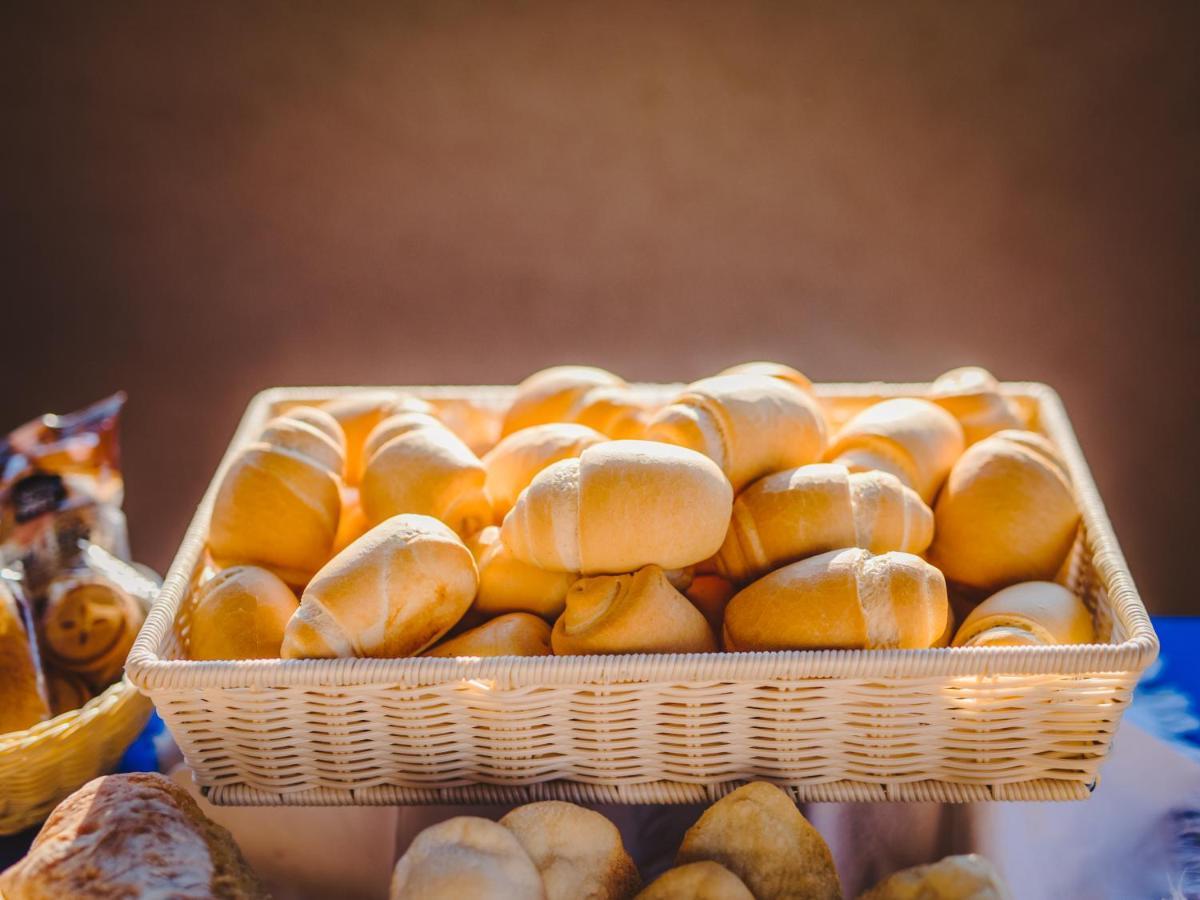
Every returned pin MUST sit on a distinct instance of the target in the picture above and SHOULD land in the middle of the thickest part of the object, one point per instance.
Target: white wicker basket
(947, 724)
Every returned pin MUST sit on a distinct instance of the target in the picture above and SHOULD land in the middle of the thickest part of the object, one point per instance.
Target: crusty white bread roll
(320, 420)
(466, 858)
(711, 594)
(515, 634)
(773, 369)
(391, 593)
(913, 439)
(816, 508)
(637, 613)
(508, 585)
(513, 462)
(619, 506)
(352, 521)
(299, 432)
(1007, 513)
(476, 424)
(88, 626)
(1030, 614)
(275, 509)
(577, 851)
(240, 613)
(613, 410)
(359, 413)
(967, 877)
(758, 834)
(844, 599)
(426, 470)
(548, 395)
(393, 426)
(750, 425)
(703, 880)
(23, 699)
(972, 395)
(133, 835)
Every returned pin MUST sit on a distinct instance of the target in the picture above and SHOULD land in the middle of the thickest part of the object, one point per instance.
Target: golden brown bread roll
(23, 701)
(359, 413)
(508, 585)
(320, 420)
(275, 509)
(615, 411)
(773, 369)
(619, 506)
(425, 470)
(1007, 513)
(577, 851)
(391, 593)
(66, 690)
(968, 877)
(703, 880)
(638, 613)
(88, 627)
(972, 395)
(750, 425)
(1031, 614)
(711, 594)
(135, 835)
(352, 521)
(913, 439)
(299, 432)
(757, 833)
(515, 634)
(548, 395)
(813, 509)
(466, 858)
(240, 613)
(513, 462)
(394, 426)
(844, 599)
(476, 424)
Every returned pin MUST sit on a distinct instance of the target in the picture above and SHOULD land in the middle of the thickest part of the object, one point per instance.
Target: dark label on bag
(37, 495)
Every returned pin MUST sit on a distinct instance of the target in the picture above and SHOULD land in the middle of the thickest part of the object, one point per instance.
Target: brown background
(205, 199)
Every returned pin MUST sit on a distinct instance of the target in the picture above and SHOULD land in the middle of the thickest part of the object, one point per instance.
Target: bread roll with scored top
(240, 613)
(312, 433)
(638, 613)
(844, 599)
(549, 395)
(774, 370)
(508, 585)
(703, 880)
(813, 509)
(757, 833)
(613, 410)
(515, 634)
(968, 877)
(466, 857)
(425, 470)
(619, 506)
(276, 509)
(391, 593)
(513, 462)
(88, 627)
(750, 425)
(359, 413)
(134, 835)
(1032, 614)
(913, 439)
(577, 851)
(23, 700)
(972, 395)
(1007, 513)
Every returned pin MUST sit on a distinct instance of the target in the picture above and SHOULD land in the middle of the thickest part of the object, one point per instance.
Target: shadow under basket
(961, 724)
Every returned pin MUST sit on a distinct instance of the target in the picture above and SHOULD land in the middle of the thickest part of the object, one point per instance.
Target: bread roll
(23, 701)
(703, 880)
(508, 585)
(135, 835)
(513, 462)
(638, 613)
(972, 395)
(394, 426)
(476, 424)
(275, 509)
(240, 613)
(577, 851)
(757, 833)
(88, 627)
(297, 433)
(1007, 513)
(548, 395)
(620, 506)
(968, 877)
(466, 858)
(750, 425)
(844, 599)
(773, 369)
(66, 690)
(359, 413)
(812, 509)
(913, 439)
(711, 594)
(1032, 614)
(391, 593)
(516, 634)
(352, 521)
(426, 470)
(320, 420)
(613, 410)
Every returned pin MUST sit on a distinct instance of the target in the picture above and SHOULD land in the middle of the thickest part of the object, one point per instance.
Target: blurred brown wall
(205, 199)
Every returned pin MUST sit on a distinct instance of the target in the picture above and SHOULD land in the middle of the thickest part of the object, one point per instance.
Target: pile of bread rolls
(586, 519)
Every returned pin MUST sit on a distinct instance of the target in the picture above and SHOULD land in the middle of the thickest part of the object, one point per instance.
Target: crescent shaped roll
(513, 462)
(774, 370)
(972, 395)
(750, 425)
(391, 593)
(812, 509)
(703, 880)
(1031, 614)
(548, 395)
(515, 634)
(613, 410)
(240, 613)
(297, 434)
(508, 585)
(466, 858)
(845, 600)
(359, 413)
(619, 506)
